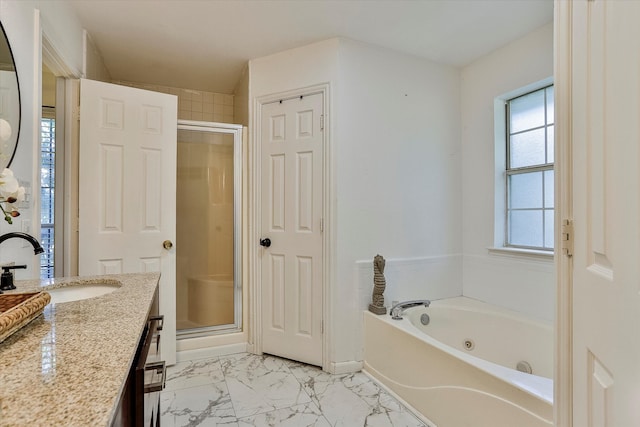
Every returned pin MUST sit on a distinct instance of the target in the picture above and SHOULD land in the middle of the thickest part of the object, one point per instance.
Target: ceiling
(205, 44)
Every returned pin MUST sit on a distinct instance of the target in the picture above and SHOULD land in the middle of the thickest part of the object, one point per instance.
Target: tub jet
(424, 319)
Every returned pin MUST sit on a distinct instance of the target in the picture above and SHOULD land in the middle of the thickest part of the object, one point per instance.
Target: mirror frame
(13, 59)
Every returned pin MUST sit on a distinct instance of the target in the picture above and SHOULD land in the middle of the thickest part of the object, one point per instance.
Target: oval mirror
(9, 103)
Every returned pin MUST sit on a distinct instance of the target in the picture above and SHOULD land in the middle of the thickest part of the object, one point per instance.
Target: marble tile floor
(243, 390)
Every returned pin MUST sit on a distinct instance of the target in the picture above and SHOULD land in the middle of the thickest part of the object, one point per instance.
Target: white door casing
(562, 379)
(291, 212)
(604, 136)
(127, 188)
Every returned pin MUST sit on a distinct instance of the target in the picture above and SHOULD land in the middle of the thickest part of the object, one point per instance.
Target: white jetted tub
(461, 368)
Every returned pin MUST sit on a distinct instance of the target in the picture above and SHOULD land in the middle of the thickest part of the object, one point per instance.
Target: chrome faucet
(398, 309)
(6, 280)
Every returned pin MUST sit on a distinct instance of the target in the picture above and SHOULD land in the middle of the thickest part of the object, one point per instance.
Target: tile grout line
(226, 384)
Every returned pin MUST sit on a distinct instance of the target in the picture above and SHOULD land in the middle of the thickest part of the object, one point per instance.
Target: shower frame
(236, 131)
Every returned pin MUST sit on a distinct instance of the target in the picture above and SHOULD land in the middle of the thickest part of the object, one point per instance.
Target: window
(47, 191)
(529, 170)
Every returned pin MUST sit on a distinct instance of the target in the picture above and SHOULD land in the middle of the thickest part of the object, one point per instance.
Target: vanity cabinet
(139, 403)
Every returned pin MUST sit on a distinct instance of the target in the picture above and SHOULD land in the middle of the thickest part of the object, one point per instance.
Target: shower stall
(208, 228)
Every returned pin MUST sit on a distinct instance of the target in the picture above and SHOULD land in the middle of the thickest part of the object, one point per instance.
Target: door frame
(67, 141)
(563, 375)
(255, 231)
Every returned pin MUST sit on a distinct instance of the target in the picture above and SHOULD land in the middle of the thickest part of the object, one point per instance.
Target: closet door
(292, 144)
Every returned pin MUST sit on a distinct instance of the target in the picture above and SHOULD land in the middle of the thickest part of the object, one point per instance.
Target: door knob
(167, 244)
(265, 242)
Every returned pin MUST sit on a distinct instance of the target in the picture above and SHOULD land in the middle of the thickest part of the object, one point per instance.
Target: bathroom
(421, 101)
(426, 120)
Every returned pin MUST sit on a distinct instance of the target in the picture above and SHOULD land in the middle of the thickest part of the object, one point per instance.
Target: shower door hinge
(567, 237)
(321, 121)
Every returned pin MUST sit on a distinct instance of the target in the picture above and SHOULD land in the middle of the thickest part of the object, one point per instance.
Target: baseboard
(251, 348)
(205, 353)
(349, 367)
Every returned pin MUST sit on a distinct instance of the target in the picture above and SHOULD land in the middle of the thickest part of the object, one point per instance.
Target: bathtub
(460, 369)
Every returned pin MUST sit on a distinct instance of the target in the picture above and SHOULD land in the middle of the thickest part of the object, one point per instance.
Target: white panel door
(605, 106)
(128, 187)
(291, 192)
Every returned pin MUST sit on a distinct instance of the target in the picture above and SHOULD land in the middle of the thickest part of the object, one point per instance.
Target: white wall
(294, 68)
(22, 26)
(525, 285)
(93, 66)
(397, 162)
(241, 99)
(395, 132)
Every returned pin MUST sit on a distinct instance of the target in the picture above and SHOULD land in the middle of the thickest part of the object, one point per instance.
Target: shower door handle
(265, 242)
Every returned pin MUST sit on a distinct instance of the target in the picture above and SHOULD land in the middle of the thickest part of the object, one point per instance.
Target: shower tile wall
(195, 104)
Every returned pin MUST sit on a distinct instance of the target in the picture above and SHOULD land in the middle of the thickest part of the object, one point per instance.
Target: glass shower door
(208, 291)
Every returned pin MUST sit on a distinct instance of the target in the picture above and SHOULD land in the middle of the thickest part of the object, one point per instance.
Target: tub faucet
(6, 282)
(398, 309)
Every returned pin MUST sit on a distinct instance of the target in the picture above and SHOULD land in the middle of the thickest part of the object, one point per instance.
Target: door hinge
(322, 326)
(567, 237)
(321, 225)
(321, 121)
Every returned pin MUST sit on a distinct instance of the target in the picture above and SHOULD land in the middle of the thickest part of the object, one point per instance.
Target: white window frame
(500, 246)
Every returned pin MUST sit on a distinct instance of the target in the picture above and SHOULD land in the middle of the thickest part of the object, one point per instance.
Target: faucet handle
(6, 268)
(6, 280)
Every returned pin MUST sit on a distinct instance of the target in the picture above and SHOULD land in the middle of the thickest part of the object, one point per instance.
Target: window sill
(521, 253)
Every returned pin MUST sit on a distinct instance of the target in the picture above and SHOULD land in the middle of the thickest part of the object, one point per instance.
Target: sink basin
(80, 292)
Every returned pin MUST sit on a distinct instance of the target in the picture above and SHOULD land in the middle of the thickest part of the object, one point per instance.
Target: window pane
(525, 228)
(527, 112)
(525, 190)
(550, 144)
(548, 229)
(530, 190)
(550, 109)
(527, 149)
(46, 259)
(47, 206)
(548, 189)
(47, 194)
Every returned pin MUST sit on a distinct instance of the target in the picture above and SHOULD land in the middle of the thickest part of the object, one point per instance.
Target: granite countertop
(68, 366)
